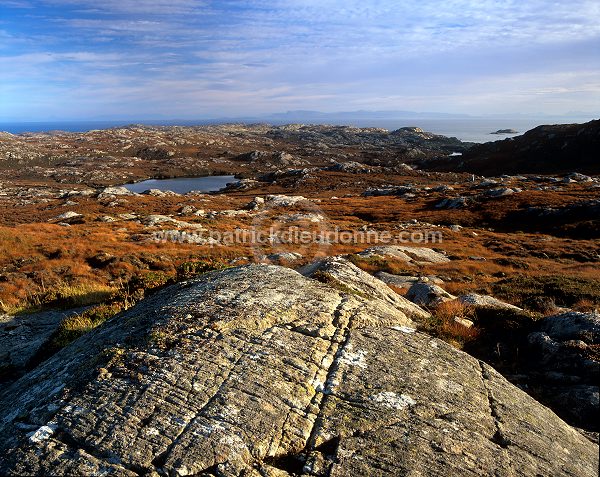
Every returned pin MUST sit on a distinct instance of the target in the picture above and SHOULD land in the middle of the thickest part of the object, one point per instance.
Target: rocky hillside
(259, 370)
(551, 149)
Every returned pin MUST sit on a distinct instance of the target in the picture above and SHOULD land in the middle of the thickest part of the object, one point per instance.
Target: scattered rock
(463, 322)
(160, 193)
(284, 200)
(502, 191)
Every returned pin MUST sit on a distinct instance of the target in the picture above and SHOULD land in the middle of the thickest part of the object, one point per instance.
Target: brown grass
(443, 325)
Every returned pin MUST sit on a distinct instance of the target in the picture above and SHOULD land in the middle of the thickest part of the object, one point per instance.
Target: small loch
(182, 185)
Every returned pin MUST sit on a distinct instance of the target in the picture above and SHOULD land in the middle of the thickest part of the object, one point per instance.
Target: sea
(465, 129)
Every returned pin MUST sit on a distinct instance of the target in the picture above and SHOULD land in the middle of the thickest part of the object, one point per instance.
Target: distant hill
(304, 115)
(550, 149)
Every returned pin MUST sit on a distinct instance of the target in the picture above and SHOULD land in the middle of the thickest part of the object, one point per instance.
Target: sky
(113, 59)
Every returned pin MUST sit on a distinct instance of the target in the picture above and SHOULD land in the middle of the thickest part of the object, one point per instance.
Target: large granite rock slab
(258, 370)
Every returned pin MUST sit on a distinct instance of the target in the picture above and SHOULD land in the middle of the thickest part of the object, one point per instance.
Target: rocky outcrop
(340, 273)
(550, 149)
(486, 302)
(565, 375)
(428, 294)
(416, 255)
(258, 370)
(22, 337)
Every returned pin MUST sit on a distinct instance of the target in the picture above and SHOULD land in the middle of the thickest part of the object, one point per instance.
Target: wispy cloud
(201, 57)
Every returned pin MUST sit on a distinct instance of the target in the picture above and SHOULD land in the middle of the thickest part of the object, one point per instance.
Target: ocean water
(468, 129)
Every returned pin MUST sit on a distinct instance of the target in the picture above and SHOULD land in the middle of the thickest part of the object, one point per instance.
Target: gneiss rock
(346, 276)
(69, 216)
(418, 255)
(111, 192)
(486, 302)
(562, 368)
(406, 281)
(428, 294)
(258, 370)
(22, 336)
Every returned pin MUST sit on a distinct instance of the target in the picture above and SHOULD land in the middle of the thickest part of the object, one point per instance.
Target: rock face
(22, 336)
(551, 149)
(567, 371)
(258, 370)
(340, 273)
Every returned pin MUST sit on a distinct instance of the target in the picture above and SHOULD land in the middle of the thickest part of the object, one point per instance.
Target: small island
(505, 131)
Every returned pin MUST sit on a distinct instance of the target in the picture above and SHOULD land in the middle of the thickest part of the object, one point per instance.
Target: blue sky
(81, 59)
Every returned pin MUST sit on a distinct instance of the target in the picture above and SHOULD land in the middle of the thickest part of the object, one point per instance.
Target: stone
(428, 294)
(464, 322)
(255, 203)
(155, 219)
(111, 192)
(346, 275)
(68, 216)
(406, 281)
(417, 255)
(160, 193)
(186, 210)
(258, 370)
(502, 191)
(22, 336)
(486, 302)
(284, 200)
(561, 367)
(453, 203)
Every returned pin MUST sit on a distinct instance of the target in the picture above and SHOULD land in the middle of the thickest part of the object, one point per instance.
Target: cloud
(186, 56)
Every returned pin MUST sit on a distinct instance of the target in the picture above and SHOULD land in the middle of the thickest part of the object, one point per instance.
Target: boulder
(502, 191)
(69, 217)
(258, 370)
(417, 255)
(338, 271)
(111, 192)
(453, 203)
(284, 200)
(428, 294)
(486, 302)
(406, 281)
(23, 336)
(562, 369)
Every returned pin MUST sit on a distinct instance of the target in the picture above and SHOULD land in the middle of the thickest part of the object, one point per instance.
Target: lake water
(467, 129)
(183, 185)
